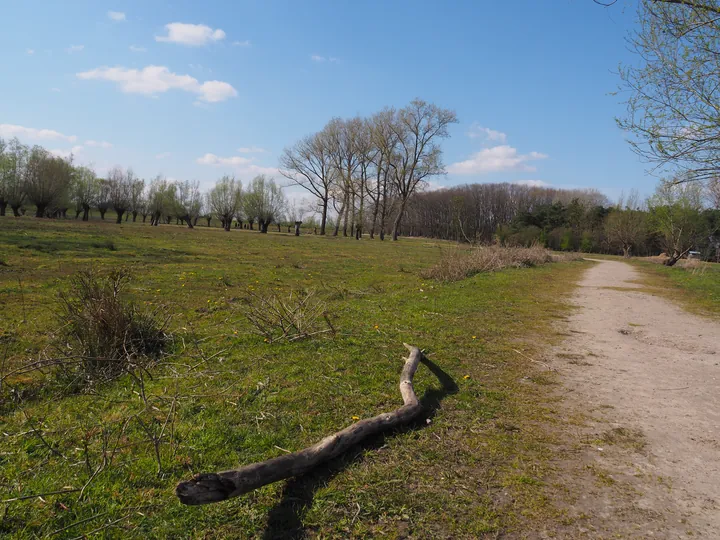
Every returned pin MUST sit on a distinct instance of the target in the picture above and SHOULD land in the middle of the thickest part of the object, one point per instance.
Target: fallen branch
(214, 487)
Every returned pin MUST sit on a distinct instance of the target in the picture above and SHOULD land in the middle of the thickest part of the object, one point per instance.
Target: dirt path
(645, 461)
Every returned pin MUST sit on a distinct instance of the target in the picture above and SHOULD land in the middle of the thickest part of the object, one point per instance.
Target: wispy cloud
(117, 16)
(30, 52)
(245, 43)
(11, 130)
(153, 80)
(193, 35)
(496, 159)
(212, 159)
(251, 150)
(98, 144)
(477, 131)
(74, 48)
(532, 183)
(136, 49)
(320, 59)
(74, 151)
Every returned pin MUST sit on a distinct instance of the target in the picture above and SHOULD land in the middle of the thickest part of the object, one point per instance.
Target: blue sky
(142, 84)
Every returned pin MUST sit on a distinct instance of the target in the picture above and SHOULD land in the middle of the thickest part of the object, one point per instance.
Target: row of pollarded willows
(54, 185)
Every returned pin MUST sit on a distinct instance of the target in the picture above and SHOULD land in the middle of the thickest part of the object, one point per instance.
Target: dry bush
(458, 264)
(298, 316)
(103, 334)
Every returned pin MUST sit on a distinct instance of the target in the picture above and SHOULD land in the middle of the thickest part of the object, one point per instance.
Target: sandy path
(647, 374)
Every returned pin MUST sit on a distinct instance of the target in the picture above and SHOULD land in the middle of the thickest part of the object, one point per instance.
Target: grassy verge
(697, 289)
(228, 398)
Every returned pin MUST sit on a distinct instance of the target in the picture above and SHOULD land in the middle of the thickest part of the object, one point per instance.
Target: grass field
(227, 397)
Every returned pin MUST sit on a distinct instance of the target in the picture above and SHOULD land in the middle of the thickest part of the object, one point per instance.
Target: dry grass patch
(457, 264)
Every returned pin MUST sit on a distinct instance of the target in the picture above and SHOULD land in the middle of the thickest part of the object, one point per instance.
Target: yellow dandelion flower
(376, 327)
(474, 337)
(356, 418)
(466, 377)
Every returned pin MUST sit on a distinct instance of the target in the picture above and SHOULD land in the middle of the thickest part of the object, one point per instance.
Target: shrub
(459, 264)
(103, 334)
(298, 316)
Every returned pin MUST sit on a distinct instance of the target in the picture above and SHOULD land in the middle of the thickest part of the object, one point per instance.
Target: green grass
(228, 398)
(696, 289)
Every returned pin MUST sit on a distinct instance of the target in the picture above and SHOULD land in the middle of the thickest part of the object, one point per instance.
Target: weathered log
(215, 487)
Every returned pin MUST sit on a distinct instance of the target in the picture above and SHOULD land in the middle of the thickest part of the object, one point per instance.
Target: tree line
(680, 217)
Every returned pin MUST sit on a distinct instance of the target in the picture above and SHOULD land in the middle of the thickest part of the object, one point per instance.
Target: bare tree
(382, 194)
(418, 156)
(673, 107)
(308, 164)
(225, 199)
(341, 136)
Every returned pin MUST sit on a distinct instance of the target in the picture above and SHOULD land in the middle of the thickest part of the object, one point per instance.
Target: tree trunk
(127, 216)
(346, 204)
(297, 228)
(77, 213)
(16, 210)
(324, 217)
(134, 214)
(40, 210)
(250, 223)
(214, 487)
(86, 212)
(119, 215)
(102, 212)
(626, 252)
(3, 206)
(340, 215)
(144, 217)
(209, 220)
(398, 220)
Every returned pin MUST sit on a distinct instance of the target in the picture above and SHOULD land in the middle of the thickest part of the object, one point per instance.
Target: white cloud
(245, 43)
(532, 183)
(74, 48)
(10, 130)
(242, 166)
(193, 35)
(136, 49)
(320, 59)
(117, 16)
(30, 52)
(251, 150)
(153, 80)
(477, 131)
(496, 159)
(98, 144)
(163, 155)
(74, 151)
(212, 159)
